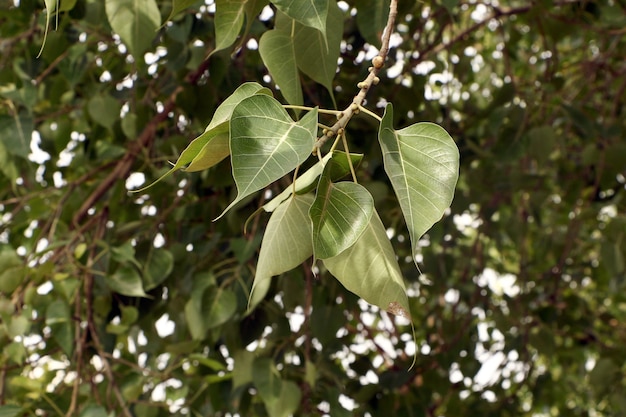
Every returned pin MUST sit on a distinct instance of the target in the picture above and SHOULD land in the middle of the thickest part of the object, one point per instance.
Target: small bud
(330, 133)
(378, 62)
(376, 80)
(354, 107)
(360, 85)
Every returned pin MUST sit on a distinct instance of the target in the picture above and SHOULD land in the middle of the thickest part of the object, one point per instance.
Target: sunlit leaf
(370, 270)
(422, 162)
(136, 22)
(340, 214)
(266, 143)
(286, 244)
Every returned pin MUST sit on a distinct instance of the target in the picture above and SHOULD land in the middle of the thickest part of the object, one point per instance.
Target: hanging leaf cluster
(321, 216)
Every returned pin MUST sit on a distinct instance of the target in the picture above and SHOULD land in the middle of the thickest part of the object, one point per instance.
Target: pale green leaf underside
(266, 143)
(135, 21)
(370, 270)
(340, 214)
(422, 163)
(286, 244)
(310, 13)
(277, 51)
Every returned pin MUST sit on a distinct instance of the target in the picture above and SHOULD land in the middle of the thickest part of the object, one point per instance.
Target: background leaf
(310, 13)
(422, 162)
(135, 21)
(279, 56)
(16, 132)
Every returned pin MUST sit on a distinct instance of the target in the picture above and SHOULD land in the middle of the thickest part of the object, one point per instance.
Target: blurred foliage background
(135, 304)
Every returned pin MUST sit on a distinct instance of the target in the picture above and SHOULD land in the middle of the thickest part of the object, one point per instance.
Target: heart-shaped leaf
(422, 162)
(211, 146)
(286, 244)
(340, 214)
(370, 270)
(266, 144)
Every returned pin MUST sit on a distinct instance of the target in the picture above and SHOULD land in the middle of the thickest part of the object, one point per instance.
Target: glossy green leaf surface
(370, 270)
(422, 162)
(340, 214)
(266, 143)
(286, 243)
(135, 21)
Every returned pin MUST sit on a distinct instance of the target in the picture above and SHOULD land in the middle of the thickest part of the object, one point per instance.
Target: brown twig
(372, 79)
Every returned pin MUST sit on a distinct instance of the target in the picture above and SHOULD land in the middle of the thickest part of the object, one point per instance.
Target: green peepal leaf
(422, 162)
(340, 214)
(286, 244)
(279, 56)
(266, 143)
(229, 18)
(136, 22)
(370, 270)
(307, 181)
(211, 147)
(310, 13)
